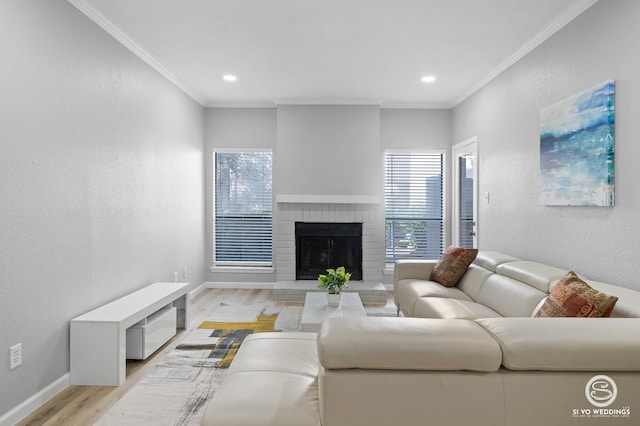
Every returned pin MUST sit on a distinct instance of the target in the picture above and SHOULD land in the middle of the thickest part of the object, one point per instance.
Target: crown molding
(131, 44)
(327, 102)
(416, 105)
(382, 105)
(265, 104)
(569, 14)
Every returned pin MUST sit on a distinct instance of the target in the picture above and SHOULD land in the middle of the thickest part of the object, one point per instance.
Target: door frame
(467, 146)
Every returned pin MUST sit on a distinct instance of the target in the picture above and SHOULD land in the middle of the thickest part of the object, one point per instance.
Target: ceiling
(331, 51)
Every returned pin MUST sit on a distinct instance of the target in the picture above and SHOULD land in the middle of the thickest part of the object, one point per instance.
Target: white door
(465, 193)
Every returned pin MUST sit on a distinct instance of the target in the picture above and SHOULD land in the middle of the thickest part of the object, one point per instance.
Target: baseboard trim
(248, 285)
(30, 405)
(196, 291)
(239, 285)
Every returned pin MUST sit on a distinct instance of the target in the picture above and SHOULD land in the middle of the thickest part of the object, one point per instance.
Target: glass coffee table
(316, 309)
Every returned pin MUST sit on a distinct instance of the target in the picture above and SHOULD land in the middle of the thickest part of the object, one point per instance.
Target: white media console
(99, 337)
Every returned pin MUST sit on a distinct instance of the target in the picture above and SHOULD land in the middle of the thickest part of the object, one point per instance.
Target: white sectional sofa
(478, 358)
(495, 285)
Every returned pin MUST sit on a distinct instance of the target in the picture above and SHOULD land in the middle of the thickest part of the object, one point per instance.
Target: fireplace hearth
(322, 245)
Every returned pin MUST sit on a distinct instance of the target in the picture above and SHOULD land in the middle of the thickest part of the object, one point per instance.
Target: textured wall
(234, 128)
(598, 242)
(101, 183)
(420, 129)
(329, 150)
(258, 128)
(415, 129)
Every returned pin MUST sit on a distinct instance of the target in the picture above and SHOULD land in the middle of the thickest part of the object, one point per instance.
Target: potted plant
(333, 282)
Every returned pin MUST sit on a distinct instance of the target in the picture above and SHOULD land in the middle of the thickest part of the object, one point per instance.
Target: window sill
(244, 269)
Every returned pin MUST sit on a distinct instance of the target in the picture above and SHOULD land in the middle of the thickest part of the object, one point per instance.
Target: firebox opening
(320, 246)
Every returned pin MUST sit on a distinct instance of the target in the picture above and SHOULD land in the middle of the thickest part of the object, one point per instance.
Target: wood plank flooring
(84, 405)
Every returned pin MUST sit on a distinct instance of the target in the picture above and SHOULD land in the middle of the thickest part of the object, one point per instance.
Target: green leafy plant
(334, 280)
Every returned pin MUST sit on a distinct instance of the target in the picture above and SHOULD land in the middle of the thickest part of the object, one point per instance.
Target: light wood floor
(84, 405)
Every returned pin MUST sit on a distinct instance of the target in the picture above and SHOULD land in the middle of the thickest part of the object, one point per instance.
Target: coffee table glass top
(316, 309)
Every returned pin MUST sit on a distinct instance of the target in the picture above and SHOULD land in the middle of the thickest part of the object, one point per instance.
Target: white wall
(421, 129)
(366, 133)
(329, 150)
(415, 129)
(101, 183)
(234, 128)
(599, 242)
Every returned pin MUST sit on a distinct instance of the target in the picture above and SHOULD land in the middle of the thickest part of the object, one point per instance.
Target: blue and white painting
(577, 149)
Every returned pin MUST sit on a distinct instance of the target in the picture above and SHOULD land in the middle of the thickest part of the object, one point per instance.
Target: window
(243, 209)
(414, 221)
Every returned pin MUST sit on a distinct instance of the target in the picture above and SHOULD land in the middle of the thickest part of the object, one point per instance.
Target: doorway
(465, 193)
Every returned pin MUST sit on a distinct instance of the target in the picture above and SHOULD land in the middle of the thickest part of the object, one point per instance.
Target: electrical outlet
(175, 277)
(184, 273)
(15, 356)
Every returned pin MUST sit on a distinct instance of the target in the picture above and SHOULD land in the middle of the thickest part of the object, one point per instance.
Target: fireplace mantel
(300, 209)
(327, 199)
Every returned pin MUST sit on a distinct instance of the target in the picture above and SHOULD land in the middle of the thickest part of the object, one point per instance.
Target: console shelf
(99, 337)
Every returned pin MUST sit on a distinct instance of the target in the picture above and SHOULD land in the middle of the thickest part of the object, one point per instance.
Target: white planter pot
(334, 299)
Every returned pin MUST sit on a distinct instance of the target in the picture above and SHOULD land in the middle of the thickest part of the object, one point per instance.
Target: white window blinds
(414, 222)
(243, 209)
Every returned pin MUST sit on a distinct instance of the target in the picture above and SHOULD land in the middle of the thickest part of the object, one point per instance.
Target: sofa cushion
(473, 280)
(534, 314)
(452, 265)
(509, 297)
(296, 354)
(571, 344)
(535, 274)
(271, 381)
(572, 297)
(491, 259)
(437, 307)
(379, 343)
(413, 290)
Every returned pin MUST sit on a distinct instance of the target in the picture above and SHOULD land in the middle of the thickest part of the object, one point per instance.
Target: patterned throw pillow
(451, 267)
(572, 297)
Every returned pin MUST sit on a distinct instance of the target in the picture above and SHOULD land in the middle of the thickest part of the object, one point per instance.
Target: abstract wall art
(577, 149)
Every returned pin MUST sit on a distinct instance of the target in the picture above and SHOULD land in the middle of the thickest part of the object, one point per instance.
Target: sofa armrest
(567, 344)
(383, 343)
(413, 268)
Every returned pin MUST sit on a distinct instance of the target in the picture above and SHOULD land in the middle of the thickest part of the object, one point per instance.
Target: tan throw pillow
(451, 267)
(572, 297)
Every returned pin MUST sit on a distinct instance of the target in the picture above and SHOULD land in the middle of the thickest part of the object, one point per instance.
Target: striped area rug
(178, 388)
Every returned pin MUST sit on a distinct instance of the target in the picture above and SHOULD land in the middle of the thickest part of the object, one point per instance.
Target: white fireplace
(369, 214)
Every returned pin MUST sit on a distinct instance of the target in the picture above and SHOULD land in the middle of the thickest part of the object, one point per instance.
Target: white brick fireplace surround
(371, 215)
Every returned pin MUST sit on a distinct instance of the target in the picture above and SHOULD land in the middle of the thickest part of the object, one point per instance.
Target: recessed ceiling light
(229, 77)
(428, 79)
